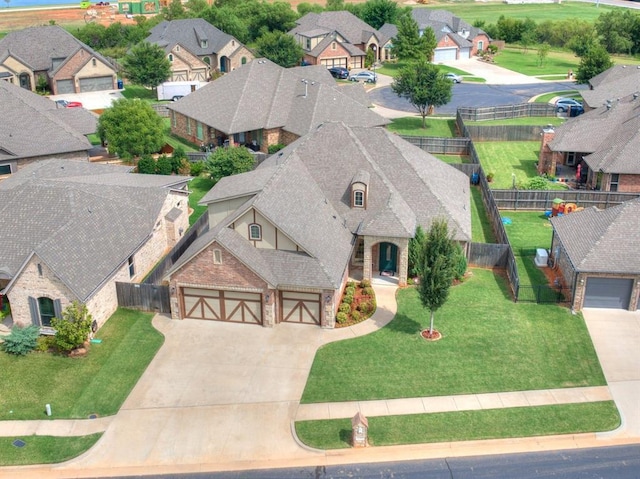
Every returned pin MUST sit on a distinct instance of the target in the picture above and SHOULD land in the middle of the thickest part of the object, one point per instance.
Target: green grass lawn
(44, 449)
(547, 97)
(199, 187)
(481, 229)
(557, 62)
(137, 91)
(490, 344)
(76, 388)
(527, 120)
(504, 158)
(392, 69)
(465, 425)
(412, 126)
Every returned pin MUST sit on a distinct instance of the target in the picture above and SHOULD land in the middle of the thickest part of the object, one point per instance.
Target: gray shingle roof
(436, 19)
(614, 147)
(354, 30)
(263, 95)
(42, 129)
(616, 82)
(83, 231)
(188, 32)
(602, 241)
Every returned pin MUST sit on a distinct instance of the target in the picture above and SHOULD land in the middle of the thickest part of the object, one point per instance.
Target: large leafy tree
(424, 86)
(147, 65)
(378, 12)
(437, 269)
(226, 19)
(280, 48)
(228, 161)
(174, 11)
(409, 45)
(131, 128)
(616, 30)
(595, 61)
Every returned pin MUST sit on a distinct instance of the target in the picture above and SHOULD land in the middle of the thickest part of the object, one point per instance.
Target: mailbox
(359, 430)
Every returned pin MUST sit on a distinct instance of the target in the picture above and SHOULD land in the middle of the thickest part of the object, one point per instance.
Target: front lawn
(490, 344)
(504, 158)
(556, 63)
(412, 126)
(96, 384)
(392, 69)
(44, 449)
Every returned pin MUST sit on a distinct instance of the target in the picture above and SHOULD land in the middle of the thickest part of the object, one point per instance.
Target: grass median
(44, 449)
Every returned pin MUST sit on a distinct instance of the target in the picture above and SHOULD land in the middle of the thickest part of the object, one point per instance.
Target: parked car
(569, 104)
(68, 104)
(365, 76)
(453, 77)
(339, 72)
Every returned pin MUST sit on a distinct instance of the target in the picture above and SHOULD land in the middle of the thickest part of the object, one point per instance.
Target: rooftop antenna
(306, 86)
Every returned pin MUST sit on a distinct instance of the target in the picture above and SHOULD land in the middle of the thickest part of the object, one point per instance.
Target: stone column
(269, 319)
(403, 267)
(329, 319)
(367, 267)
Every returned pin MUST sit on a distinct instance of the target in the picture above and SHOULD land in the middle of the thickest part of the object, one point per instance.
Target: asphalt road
(474, 95)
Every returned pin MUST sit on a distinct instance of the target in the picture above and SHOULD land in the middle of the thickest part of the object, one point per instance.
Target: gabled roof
(611, 134)
(84, 229)
(263, 95)
(38, 46)
(602, 241)
(42, 129)
(617, 82)
(435, 19)
(188, 33)
(354, 30)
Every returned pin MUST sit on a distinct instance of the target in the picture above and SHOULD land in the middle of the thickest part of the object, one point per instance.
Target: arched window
(243, 60)
(170, 57)
(358, 199)
(47, 311)
(207, 60)
(255, 232)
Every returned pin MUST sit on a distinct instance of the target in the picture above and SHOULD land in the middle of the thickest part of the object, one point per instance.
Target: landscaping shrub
(356, 316)
(271, 149)
(164, 165)
(344, 308)
(350, 291)
(21, 341)
(350, 284)
(347, 300)
(460, 263)
(197, 167)
(74, 327)
(365, 307)
(147, 165)
(341, 318)
(536, 183)
(365, 283)
(368, 291)
(45, 343)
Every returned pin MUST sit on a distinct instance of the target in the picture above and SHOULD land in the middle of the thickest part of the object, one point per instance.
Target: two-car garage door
(217, 305)
(612, 293)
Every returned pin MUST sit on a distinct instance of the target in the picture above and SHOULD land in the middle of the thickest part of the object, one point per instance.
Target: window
(132, 267)
(188, 126)
(243, 60)
(388, 253)
(217, 256)
(359, 255)
(613, 185)
(571, 158)
(203, 44)
(308, 43)
(255, 232)
(480, 46)
(39, 270)
(170, 57)
(5, 169)
(94, 62)
(177, 48)
(47, 311)
(207, 60)
(199, 134)
(334, 46)
(358, 199)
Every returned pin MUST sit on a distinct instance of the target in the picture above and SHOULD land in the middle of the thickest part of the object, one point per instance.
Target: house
(263, 104)
(195, 48)
(336, 39)
(456, 39)
(51, 56)
(284, 238)
(604, 142)
(43, 131)
(618, 81)
(597, 253)
(72, 229)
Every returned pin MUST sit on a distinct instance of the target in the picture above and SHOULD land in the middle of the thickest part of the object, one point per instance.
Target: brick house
(604, 141)
(53, 55)
(597, 253)
(264, 104)
(43, 132)
(284, 238)
(72, 229)
(617, 82)
(336, 39)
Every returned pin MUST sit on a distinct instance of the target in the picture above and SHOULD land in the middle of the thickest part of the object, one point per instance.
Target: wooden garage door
(217, 305)
(334, 62)
(612, 293)
(300, 307)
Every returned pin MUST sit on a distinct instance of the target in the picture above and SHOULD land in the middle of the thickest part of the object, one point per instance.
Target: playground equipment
(560, 208)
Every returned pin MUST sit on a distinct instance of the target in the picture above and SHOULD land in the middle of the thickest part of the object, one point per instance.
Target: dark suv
(339, 72)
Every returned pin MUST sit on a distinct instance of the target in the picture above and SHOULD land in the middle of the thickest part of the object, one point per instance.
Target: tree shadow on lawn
(404, 324)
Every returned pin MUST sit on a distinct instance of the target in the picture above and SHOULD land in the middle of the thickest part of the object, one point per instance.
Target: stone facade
(234, 53)
(371, 256)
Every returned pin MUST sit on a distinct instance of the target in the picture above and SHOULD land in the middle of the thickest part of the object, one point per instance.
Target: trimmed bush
(459, 263)
(197, 167)
(368, 291)
(45, 343)
(21, 341)
(342, 318)
(356, 316)
(365, 283)
(74, 327)
(350, 284)
(271, 149)
(344, 308)
(347, 300)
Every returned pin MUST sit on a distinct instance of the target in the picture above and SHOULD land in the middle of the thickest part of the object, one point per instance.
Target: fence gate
(147, 297)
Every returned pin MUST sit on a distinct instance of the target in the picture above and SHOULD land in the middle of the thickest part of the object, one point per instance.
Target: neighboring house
(604, 141)
(457, 40)
(195, 48)
(284, 238)
(336, 39)
(597, 253)
(263, 104)
(34, 128)
(71, 229)
(52, 55)
(618, 81)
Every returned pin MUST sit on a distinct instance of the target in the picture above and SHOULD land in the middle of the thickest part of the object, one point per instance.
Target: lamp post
(375, 60)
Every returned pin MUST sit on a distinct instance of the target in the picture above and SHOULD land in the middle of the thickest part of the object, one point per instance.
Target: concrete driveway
(616, 338)
(93, 100)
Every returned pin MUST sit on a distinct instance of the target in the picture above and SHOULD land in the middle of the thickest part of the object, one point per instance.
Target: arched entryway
(225, 64)
(25, 81)
(388, 259)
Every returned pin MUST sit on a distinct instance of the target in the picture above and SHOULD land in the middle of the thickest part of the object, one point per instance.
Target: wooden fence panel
(440, 146)
(487, 255)
(506, 111)
(504, 132)
(543, 199)
(146, 297)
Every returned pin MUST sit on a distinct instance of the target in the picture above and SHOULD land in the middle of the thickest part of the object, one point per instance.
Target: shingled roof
(85, 229)
(438, 19)
(617, 82)
(350, 27)
(611, 134)
(602, 241)
(189, 33)
(263, 95)
(43, 128)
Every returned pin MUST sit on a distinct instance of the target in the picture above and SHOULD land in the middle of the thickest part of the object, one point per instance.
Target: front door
(388, 258)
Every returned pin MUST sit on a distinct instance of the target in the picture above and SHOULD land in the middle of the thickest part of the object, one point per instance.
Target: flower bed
(358, 303)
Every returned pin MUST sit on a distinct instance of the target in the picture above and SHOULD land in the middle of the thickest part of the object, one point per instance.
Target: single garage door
(216, 305)
(64, 86)
(300, 307)
(444, 54)
(96, 84)
(465, 53)
(612, 293)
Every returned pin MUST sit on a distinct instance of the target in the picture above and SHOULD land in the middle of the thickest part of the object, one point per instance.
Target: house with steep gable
(263, 104)
(52, 55)
(340, 201)
(617, 82)
(72, 229)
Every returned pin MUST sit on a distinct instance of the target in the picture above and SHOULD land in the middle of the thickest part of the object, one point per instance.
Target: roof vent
(635, 96)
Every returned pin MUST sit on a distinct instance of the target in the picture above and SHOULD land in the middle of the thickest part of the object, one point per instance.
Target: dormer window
(203, 44)
(255, 232)
(358, 199)
(359, 185)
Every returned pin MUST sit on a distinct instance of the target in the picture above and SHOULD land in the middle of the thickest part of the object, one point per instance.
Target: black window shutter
(35, 312)
(57, 308)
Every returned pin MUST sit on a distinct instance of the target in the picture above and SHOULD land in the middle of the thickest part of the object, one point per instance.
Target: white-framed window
(203, 43)
(358, 199)
(132, 267)
(480, 45)
(255, 232)
(217, 256)
(572, 156)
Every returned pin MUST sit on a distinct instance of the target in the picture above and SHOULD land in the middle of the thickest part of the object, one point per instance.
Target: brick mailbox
(359, 430)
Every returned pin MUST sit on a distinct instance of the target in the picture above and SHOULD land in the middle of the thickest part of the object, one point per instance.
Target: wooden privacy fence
(147, 297)
(543, 199)
(440, 146)
(160, 109)
(506, 111)
(504, 132)
(488, 255)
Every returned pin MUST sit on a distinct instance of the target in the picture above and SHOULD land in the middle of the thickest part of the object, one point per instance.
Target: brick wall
(74, 65)
(629, 184)
(329, 53)
(562, 262)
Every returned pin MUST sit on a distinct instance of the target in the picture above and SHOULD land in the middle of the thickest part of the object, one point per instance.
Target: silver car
(365, 76)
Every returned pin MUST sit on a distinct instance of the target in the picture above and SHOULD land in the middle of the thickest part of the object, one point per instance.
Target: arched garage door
(218, 305)
(300, 307)
(612, 293)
